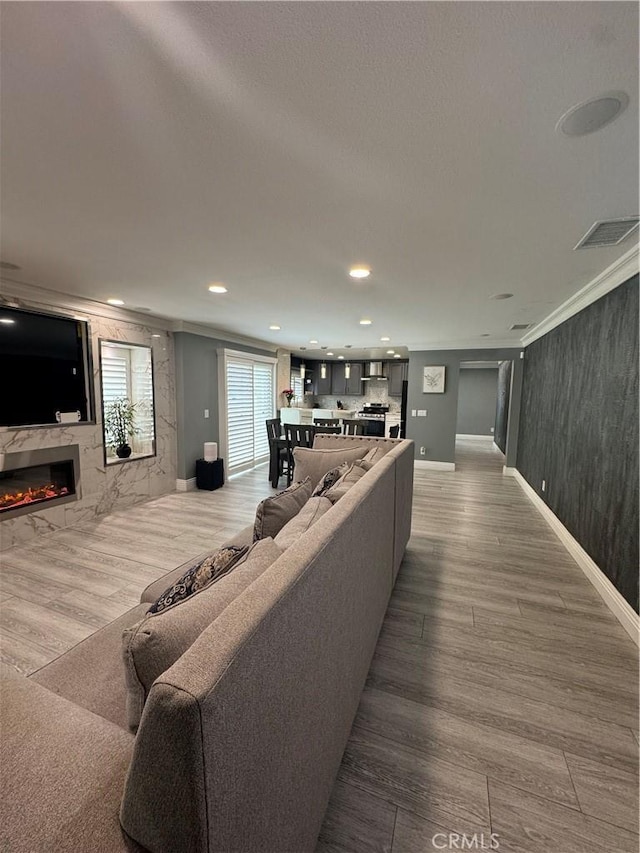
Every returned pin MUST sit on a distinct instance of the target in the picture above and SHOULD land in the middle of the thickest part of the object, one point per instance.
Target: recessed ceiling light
(217, 288)
(502, 296)
(313, 342)
(115, 301)
(359, 272)
(593, 114)
(385, 338)
(329, 353)
(365, 322)
(274, 328)
(5, 265)
(7, 321)
(390, 352)
(156, 336)
(340, 356)
(397, 355)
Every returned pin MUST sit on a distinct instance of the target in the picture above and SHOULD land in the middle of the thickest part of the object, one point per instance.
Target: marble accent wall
(103, 488)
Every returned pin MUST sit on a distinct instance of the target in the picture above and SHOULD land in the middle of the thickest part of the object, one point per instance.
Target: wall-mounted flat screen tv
(44, 369)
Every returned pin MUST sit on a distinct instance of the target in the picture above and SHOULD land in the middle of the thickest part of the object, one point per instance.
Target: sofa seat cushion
(314, 509)
(90, 674)
(314, 464)
(274, 512)
(158, 640)
(63, 773)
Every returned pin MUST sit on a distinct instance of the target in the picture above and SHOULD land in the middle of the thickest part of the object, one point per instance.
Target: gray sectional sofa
(241, 738)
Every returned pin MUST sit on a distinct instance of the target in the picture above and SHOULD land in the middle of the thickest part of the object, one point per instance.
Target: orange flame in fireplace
(41, 493)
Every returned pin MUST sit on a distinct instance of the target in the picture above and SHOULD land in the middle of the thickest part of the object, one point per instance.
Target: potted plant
(119, 426)
(289, 393)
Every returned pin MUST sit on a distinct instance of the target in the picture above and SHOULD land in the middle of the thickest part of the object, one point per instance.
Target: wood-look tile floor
(502, 697)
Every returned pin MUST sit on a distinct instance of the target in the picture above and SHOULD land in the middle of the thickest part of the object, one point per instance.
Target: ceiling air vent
(518, 326)
(609, 232)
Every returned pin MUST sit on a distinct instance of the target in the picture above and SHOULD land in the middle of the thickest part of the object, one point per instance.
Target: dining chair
(353, 427)
(326, 421)
(278, 455)
(297, 435)
(336, 429)
(394, 431)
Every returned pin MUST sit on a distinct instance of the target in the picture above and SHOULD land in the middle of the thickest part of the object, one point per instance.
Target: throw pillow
(198, 577)
(156, 642)
(314, 509)
(273, 513)
(375, 454)
(313, 463)
(348, 479)
(330, 479)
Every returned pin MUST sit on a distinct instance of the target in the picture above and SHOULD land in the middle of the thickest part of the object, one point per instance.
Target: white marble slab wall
(104, 488)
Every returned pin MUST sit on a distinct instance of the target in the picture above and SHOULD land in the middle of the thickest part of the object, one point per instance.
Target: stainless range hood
(374, 370)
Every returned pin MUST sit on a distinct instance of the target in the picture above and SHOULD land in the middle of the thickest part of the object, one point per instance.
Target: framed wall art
(433, 380)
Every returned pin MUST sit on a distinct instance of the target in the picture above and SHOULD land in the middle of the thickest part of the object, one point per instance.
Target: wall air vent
(608, 232)
(519, 326)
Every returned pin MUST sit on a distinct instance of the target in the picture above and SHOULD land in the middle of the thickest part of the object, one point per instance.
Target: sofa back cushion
(348, 479)
(314, 509)
(314, 463)
(274, 512)
(158, 640)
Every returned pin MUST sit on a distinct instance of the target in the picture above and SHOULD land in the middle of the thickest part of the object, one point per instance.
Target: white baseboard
(434, 466)
(186, 485)
(616, 603)
(474, 437)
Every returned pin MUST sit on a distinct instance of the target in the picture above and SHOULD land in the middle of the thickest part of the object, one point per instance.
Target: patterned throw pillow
(329, 480)
(349, 478)
(200, 576)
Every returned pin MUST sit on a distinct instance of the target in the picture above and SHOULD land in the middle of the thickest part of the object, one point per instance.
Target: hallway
(502, 697)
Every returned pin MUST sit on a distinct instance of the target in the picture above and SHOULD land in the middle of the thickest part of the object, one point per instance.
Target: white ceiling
(149, 149)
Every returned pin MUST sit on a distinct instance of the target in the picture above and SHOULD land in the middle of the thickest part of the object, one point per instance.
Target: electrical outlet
(492, 430)
(206, 413)
(423, 450)
(544, 485)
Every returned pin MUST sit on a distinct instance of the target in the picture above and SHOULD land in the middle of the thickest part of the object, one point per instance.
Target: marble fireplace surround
(36, 458)
(104, 488)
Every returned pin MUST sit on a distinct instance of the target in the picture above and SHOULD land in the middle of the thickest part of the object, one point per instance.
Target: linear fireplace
(33, 479)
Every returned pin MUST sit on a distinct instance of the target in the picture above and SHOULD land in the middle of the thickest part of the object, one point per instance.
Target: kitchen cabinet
(351, 387)
(322, 387)
(396, 372)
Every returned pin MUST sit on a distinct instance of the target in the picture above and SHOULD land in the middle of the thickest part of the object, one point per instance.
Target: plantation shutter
(142, 392)
(115, 375)
(250, 402)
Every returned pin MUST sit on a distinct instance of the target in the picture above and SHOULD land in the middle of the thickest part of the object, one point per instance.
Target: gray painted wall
(197, 390)
(437, 432)
(477, 396)
(580, 430)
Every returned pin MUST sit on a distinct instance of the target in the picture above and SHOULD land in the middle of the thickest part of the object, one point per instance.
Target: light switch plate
(206, 413)
(413, 413)
(422, 413)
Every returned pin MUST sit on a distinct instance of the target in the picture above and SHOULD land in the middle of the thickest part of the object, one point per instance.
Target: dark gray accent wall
(502, 404)
(196, 390)
(477, 393)
(437, 432)
(579, 430)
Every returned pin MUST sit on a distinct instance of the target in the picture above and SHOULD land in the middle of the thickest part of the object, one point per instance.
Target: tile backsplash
(376, 393)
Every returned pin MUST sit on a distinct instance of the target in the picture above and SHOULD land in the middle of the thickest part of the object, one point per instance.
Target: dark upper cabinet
(352, 386)
(322, 386)
(397, 372)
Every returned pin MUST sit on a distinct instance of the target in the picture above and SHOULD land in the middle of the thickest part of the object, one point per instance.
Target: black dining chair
(336, 429)
(326, 421)
(353, 427)
(297, 435)
(394, 431)
(278, 455)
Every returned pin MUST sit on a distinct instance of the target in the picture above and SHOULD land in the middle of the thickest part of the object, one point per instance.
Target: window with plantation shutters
(127, 375)
(250, 401)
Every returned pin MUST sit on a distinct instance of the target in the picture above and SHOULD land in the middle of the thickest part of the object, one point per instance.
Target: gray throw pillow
(350, 477)
(273, 513)
(313, 463)
(330, 479)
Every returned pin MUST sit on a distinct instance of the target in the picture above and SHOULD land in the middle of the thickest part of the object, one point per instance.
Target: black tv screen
(43, 368)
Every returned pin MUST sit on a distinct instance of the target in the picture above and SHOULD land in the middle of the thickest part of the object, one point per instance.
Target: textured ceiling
(149, 149)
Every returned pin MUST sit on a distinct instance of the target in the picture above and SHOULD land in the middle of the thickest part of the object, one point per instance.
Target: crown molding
(22, 295)
(610, 278)
(220, 334)
(465, 344)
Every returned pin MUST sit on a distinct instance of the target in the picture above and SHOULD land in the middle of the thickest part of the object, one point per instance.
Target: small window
(127, 401)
